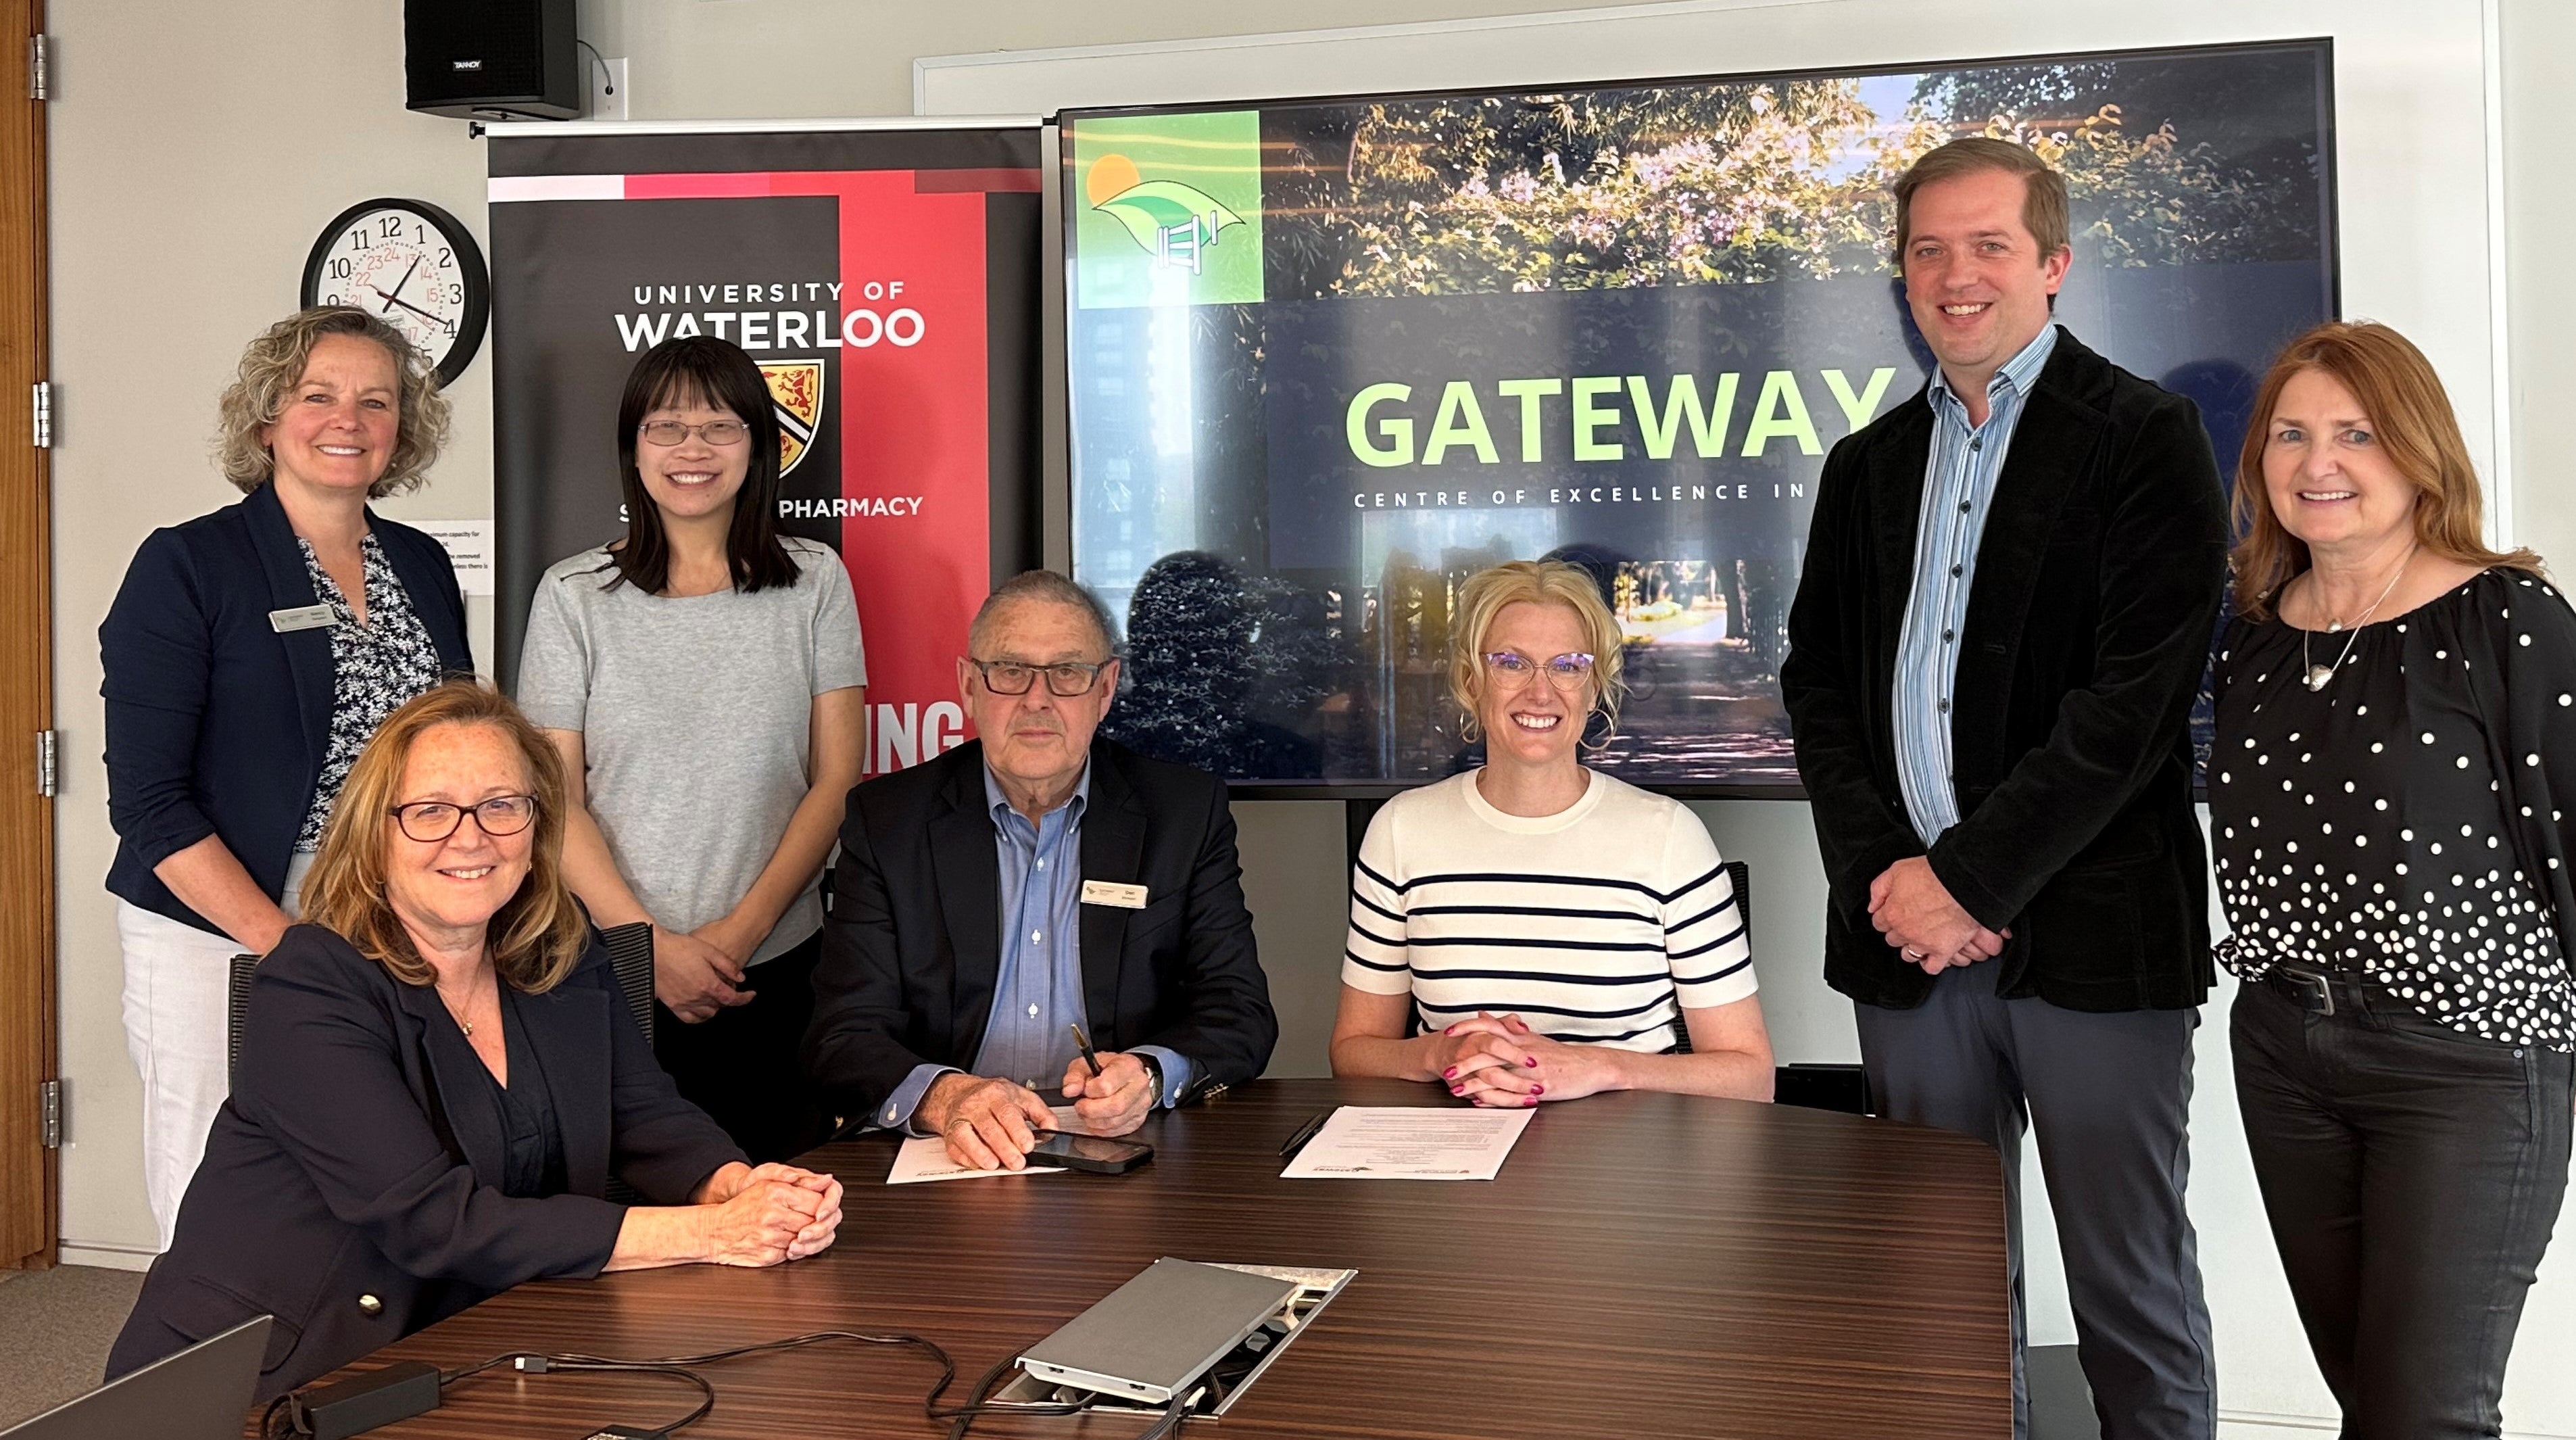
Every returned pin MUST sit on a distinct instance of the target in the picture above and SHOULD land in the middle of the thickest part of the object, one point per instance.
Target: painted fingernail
(1533, 1100)
(1457, 1089)
(1450, 1074)
(1530, 1060)
(1538, 1089)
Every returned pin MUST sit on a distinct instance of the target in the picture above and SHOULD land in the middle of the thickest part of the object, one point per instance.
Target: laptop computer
(1158, 1332)
(201, 1393)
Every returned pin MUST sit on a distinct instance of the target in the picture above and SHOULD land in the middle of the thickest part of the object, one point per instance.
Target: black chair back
(630, 954)
(236, 1012)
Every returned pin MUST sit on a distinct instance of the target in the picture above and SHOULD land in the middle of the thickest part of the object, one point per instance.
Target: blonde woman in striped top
(1557, 932)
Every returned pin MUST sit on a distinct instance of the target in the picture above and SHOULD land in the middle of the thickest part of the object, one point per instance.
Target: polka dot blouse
(2402, 823)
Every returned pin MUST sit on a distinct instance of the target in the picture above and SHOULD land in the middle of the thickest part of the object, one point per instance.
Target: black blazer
(342, 1194)
(216, 723)
(2087, 632)
(913, 946)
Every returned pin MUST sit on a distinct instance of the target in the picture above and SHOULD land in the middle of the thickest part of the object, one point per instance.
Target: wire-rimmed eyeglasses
(1064, 680)
(1512, 670)
(667, 433)
(431, 821)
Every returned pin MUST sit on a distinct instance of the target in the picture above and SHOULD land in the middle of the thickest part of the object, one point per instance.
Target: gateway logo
(796, 391)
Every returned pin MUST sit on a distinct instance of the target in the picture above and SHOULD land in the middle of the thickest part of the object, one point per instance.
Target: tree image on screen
(1329, 359)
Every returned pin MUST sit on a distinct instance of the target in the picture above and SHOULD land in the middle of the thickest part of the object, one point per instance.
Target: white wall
(198, 148)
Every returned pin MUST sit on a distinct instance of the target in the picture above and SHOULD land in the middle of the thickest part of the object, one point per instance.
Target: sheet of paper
(469, 550)
(1409, 1143)
(926, 1157)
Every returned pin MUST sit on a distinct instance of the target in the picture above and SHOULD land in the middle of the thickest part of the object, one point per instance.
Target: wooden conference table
(1646, 1265)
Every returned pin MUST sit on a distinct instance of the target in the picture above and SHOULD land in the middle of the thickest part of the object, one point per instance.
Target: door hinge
(43, 413)
(39, 80)
(45, 774)
(49, 1114)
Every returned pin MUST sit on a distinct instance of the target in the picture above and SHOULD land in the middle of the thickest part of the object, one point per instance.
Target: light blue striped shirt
(1037, 986)
(1958, 488)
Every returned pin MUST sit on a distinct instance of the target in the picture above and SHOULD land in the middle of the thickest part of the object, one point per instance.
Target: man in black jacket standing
(1036, 879)
(2008, 595)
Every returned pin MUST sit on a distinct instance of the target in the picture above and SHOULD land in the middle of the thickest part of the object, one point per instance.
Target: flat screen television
(1327, 358)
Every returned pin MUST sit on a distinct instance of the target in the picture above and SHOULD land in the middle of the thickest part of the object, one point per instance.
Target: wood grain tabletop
(1646, 1265)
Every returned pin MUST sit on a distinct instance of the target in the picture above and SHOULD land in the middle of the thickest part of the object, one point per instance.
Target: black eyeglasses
(431, 821)
(1014, 677)
(672, 432)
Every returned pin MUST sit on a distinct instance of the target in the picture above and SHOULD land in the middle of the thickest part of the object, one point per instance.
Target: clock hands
(442, 323)
(390, 301)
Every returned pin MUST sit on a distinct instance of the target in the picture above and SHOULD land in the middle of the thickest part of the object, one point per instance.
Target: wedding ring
(1913, 954)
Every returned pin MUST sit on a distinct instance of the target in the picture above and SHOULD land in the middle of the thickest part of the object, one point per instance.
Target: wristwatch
(1153, 1081)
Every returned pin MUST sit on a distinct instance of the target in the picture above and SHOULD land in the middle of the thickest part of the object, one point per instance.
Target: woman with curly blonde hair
(1548, 931)
(248, 656)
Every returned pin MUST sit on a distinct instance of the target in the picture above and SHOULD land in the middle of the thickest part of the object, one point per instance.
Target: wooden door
(27, 1044)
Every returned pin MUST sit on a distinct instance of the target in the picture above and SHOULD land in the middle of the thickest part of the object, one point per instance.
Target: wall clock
(413, 264)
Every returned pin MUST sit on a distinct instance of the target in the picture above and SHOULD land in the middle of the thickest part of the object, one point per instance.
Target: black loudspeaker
(492, 59)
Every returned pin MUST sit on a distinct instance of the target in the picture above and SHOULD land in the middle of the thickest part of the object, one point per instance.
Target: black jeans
(2412, 1175)
(740, 1065)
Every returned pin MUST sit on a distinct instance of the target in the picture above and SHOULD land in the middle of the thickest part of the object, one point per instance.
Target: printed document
(926, 1157)
(1409, 1143)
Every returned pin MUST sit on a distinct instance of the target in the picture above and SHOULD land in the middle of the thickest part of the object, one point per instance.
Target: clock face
(412, 265)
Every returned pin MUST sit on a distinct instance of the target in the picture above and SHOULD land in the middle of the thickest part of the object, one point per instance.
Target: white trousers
(177, 984)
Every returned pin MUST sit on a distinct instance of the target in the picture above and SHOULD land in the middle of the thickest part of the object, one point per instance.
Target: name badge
(303, 617)
(1110, 892)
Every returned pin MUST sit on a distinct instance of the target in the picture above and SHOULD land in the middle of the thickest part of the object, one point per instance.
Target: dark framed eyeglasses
(1512, 670)
(1014, 677)
(431, 821)
(667, 433)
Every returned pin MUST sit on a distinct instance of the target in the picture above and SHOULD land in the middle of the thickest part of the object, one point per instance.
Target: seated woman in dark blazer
(439, 1076)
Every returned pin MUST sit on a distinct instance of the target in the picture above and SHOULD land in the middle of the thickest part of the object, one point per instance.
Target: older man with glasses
(1036, 910)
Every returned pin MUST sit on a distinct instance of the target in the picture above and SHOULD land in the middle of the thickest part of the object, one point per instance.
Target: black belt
(2316, 989)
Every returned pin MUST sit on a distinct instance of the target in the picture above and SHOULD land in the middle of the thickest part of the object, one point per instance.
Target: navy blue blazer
(216, 723)
(341, 1194)
(912, 948)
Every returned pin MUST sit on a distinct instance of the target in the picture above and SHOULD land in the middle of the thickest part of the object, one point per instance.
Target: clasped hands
(993, 1124)
(1498, 1061)
(766, 1214)
(697, 973)
(1913, 909)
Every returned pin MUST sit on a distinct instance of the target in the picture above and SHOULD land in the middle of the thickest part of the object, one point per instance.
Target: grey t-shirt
(694, 715)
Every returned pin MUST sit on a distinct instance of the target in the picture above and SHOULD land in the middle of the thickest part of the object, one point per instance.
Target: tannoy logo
(465, 64)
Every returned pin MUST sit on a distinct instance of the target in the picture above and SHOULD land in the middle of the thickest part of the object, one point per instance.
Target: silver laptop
(1149, 1338)
(201, 1393)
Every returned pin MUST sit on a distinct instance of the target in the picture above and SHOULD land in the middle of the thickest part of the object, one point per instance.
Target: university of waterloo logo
(796, 393)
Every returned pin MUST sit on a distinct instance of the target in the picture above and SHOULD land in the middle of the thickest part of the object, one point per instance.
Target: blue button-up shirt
(1037, 991)
(1958, 488)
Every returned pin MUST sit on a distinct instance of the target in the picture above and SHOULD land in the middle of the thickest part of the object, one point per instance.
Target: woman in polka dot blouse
(2396, 754)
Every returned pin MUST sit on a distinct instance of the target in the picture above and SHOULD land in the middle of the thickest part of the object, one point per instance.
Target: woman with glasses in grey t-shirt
(704, 679)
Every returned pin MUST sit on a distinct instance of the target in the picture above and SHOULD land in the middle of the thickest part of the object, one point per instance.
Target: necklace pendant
(2334, 627)
(2318, 675)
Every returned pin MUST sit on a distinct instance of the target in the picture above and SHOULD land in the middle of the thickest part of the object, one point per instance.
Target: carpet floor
(55, 1327)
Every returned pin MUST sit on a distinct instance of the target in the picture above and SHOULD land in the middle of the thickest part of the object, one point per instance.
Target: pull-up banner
(886, 279)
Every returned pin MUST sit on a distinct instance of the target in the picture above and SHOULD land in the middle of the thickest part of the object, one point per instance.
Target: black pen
(1088, 1057)
(1304, 1133)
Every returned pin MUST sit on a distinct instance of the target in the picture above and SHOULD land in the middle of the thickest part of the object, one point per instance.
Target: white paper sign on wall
(469, 550)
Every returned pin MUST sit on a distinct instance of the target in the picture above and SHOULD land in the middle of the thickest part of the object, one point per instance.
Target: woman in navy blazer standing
(438, 1077)
(248, 656)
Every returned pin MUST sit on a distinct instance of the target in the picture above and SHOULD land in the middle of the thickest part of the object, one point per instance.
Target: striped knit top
(1593, 924)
